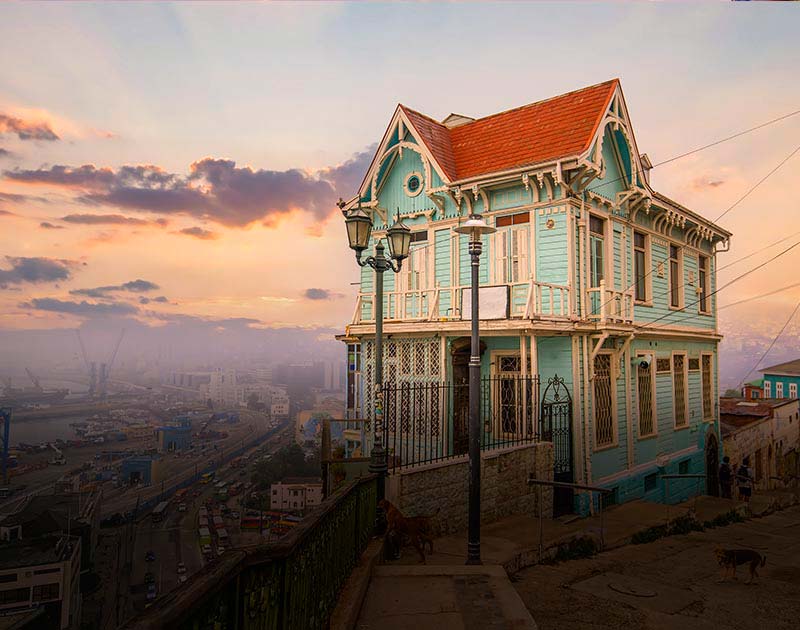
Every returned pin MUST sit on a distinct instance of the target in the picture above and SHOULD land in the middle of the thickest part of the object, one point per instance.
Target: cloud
(6, 213)
(81, 309)
(702, 183)
(134, 286)
(50, 226)
(5, 153)
(198, 232)
(321, 294)
(215, 189)
(110, 219)
(34, 271)
(161, 298)
(27, 129)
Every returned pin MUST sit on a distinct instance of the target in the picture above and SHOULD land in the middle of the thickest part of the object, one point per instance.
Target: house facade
(782, 380)
(596, 301)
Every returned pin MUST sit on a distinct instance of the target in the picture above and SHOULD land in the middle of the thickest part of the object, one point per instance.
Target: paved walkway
(445, 594)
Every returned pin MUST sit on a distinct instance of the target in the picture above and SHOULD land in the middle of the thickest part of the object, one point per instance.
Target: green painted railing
(291, 584)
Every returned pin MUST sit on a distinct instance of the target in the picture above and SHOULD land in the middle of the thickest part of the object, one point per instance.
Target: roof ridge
(425, 116)
(540, 102)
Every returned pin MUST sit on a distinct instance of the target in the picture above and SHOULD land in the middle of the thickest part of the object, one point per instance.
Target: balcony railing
(526, 300)
(291, 583)
(609, 305)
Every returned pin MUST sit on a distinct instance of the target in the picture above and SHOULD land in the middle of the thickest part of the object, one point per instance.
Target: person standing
(726, 478)
(744, 479)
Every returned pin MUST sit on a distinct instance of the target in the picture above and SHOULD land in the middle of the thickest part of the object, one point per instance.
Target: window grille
(694, 364)
(679, 388)
(645, 386)
(662, 366)
(708, 388)
(603, 410)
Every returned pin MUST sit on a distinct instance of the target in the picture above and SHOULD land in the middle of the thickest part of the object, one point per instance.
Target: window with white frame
(675, 277)
(646, 396)
(779, 389)
(702, 283)
(511, 248)
(414, 273)
(641, 273)
(707, 386)
(767, 389)
(792, 390)
(603, 401)
(679, 377)
(597, 231)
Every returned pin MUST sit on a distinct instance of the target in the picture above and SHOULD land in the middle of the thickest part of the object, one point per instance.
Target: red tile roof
(540, 132)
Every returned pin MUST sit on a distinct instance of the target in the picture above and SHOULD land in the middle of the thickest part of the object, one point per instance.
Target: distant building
(171, 439)
(754, 389)
(782, 380)
(279, 406)
(42, 573)
(140, 470)
(766, 431)
(333, 377)
(222, 387)
(138, 431)
(76, 514)
(295, 494)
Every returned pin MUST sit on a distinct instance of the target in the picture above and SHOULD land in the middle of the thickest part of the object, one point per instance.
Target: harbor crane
(98, 378)
(58, 458)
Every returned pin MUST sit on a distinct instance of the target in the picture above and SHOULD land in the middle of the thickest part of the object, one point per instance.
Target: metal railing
(291, 583)
(426, 422)
(526, 300)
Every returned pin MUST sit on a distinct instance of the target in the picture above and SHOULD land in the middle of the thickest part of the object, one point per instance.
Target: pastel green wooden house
(591, 277)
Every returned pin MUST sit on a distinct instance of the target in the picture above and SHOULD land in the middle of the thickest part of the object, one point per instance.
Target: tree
(732, 393)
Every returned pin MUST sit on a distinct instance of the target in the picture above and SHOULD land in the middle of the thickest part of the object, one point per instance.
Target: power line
(774, 340)
(761, 181)
(758, 251)
(724, 286)
(758, 297)
(707, 146)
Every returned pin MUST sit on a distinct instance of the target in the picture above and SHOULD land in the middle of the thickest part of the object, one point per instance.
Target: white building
(42, 572)
(222, 387)
(295, 494)
(279, 405)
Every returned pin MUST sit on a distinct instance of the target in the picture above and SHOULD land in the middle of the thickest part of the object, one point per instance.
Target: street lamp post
(475, 227)
(359, 228)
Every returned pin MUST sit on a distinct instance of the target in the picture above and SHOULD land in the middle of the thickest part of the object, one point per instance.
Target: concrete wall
(505, 491)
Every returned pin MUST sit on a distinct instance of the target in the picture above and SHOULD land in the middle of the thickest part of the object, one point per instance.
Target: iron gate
(555, 425)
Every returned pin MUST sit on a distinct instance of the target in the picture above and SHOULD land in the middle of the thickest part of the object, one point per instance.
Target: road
(175, 539)
(672, 584)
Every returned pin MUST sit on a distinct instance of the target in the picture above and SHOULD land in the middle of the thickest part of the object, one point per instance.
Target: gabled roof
(790, 367)
(540, 132)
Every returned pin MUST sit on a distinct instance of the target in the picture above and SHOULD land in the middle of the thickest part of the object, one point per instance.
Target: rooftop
(36, 551)
(790, 367)
(760, 407)
(304, 481)
(547, 130)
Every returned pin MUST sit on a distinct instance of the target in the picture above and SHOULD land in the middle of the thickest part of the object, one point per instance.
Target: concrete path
(443, 598)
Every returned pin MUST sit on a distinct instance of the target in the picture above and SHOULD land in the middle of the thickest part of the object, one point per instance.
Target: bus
(207, 477)
(160, 512)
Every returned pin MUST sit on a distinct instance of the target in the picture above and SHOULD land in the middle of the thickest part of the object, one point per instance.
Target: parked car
(181, 507)
(220, 550)
(206, 549)
(151, 591)
(181, 568)
(149, 578)
(182, 578)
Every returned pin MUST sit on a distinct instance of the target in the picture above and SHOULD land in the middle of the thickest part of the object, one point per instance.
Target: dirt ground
(673, 583)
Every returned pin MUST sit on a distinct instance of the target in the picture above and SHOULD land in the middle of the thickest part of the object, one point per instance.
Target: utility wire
(707, 146)
(761, 181)
(774, 340)
(758, 297)
(724, 286)
(758, 251)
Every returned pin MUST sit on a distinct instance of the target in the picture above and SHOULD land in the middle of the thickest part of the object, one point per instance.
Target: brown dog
(731, 558)
(417, 529)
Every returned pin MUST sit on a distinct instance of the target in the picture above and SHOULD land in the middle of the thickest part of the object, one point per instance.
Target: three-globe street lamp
(475, 227)
(359, 229)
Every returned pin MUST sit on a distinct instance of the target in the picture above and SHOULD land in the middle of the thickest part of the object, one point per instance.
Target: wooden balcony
(525, 300)
(609, 305)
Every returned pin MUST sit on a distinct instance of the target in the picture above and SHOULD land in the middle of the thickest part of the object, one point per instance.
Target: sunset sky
(160, 161)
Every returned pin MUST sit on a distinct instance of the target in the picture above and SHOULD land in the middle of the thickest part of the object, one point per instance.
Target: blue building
(592, 277)
(782, 380)
(138, 470)
(174, 438)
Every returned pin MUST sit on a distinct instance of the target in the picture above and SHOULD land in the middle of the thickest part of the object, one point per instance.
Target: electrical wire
(774, 341)
(758, 297)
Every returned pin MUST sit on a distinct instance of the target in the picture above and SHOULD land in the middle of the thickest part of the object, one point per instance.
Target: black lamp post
(359, 228)
(475, 227)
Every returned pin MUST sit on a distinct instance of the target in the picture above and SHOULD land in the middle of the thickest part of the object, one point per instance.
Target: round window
(413, 184)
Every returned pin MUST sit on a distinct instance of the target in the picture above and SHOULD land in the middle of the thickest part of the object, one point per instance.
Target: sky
(170, 161)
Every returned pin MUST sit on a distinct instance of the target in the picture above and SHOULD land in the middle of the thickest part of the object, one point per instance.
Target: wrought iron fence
(291, 583)
(429, 421)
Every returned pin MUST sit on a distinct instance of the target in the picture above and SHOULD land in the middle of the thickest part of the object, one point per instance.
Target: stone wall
(444, 486)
